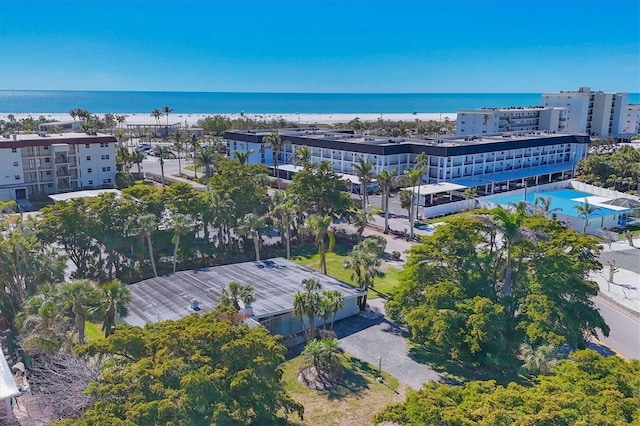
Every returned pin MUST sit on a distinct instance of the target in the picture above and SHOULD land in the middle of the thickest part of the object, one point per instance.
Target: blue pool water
(561, 199)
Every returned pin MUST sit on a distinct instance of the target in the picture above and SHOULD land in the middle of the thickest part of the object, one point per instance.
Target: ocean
(61, 101)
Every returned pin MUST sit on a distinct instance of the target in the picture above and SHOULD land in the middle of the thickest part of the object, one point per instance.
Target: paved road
(624, 337)
(372, 339)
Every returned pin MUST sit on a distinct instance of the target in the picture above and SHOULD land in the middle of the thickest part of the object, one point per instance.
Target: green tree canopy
(200, 370)
(453, 292)
(320, 191)
(586, 390)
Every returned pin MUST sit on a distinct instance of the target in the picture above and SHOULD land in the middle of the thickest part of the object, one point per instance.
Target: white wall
(8, 169)
(577, 105)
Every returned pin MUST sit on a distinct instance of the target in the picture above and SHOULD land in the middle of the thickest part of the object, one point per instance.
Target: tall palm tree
(420, 163)
(222, 210)
(386, 180)
(235, 292)
(543, 205)
(364, 170)
(307, 303)
(414, 177)
(136, 158)
(166, 111)
(285, 209)
(155, 113)
(194, 144)
(275, 142)
(365, 261)
(205, 158)
(320, 226)
(147, 226)
(180, 224)
(114, 300)
(585, 210)
(80, 296)
(161, 152)
(335, 301)
(251, 226)
(302, 156)
(178, 145)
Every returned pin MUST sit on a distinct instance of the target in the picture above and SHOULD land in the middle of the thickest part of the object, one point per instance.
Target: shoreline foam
(307, 119)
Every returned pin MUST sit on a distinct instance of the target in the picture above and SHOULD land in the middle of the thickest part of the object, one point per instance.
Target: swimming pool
(564, 200)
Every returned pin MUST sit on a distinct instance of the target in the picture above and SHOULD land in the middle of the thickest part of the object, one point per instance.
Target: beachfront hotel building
(33, 164)
(595, 113)
(471, 122)
(489, 163)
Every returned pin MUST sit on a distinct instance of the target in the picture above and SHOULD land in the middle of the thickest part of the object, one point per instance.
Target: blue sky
(379, 46)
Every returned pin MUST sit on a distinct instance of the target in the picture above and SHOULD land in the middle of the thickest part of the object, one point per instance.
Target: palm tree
(222, 210)
(365, 262)
(322, 355)
(335, 301)
(284, 207)
(205, 158)
(364, 170)
(252, 225)
(307, 303)
(243, 156)
(539, 360)
(275, 142)
(114, 300)
(161, 152)
(147, 226)
(414, 177)
(194, 144)
(386, 180)
(136, 158)
(80, 296)
(235, 292)
(543, 205)
(320, 226)
(585, 210)
(178, 145)
(420, 163)
(302, 156)
(180, 224)
(166, 111)
(155, 113)
(73, 113)
(361, 219)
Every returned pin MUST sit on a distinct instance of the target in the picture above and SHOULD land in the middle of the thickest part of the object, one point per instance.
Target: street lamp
(574, 165)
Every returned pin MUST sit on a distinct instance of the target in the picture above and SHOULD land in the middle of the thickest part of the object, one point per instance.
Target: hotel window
(106, 157)
(86, 145)
(48, 173)
(17, 177)
(106, 169)
(89, 170)
(14, 150)
(90, 182)
(46, 147)
(47, 160)
(106, 180)
(88, 158)
(16, 164)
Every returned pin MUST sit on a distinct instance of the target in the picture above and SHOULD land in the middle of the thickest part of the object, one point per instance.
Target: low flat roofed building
(275, 283)
(32, 164)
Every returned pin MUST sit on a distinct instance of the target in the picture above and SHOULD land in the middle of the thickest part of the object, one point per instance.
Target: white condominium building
(33, 164)
(487, 162)
(631, 119)
(596, 113)
(471, 122)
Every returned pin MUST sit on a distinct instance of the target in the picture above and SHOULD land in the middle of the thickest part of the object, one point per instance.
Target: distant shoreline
(306, 119)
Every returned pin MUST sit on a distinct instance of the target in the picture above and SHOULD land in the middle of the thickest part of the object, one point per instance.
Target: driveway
(372, 339)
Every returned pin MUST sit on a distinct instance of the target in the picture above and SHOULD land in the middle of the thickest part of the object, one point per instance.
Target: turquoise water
(561, 199)
(59, 101)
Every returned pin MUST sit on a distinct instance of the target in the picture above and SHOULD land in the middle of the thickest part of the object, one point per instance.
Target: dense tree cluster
(587, 389)
(200, 370)
(617, 169)
(484, 284)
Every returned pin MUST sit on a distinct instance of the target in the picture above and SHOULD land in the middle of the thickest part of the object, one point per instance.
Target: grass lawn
(193, 168)
(93, 331)
(355, 402)
(309, 257)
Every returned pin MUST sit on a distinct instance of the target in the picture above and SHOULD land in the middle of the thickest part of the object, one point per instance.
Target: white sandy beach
(310, 119)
